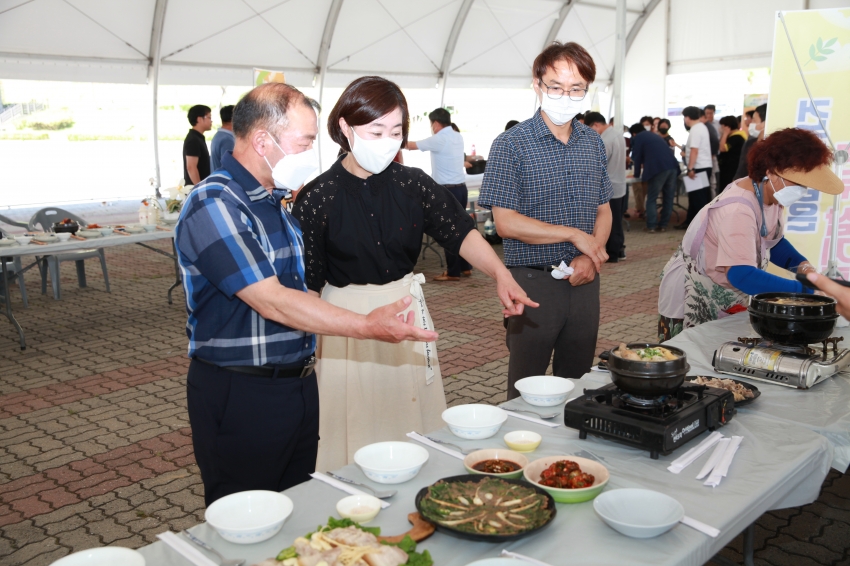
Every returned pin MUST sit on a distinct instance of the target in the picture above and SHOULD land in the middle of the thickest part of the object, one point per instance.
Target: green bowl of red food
(496, 462)
(566, 484)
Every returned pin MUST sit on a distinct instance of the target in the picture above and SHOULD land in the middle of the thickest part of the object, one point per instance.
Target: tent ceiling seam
(219, 32)
(490, 48)
(593, 45)
(277, 31)
(510, 38)
(402, 28)
(107, 30)
(558, 23)
(17, 6)
(338, 61)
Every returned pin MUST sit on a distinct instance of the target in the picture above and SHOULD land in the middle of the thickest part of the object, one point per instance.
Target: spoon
(459, 449)
(205, 546)
(541, 415)
(375, 492)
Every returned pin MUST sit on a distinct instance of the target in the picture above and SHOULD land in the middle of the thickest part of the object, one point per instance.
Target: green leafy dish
(484, 508)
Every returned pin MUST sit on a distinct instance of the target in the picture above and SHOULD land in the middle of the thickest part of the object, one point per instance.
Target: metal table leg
(7, 300)
(177, 279)
(749, 550)
(428, 244)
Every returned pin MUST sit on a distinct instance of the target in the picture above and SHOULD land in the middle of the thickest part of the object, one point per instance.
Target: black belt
(455, 185)
(298, 370)
(546, 268)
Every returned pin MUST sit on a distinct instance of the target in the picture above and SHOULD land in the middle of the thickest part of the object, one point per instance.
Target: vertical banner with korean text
(821, 39)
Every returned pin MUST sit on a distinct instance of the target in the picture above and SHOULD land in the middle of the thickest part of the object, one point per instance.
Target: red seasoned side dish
(565, 474)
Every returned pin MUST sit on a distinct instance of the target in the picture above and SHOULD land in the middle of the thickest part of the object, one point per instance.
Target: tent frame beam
(153, 79)
(322, 61)
(451, 44)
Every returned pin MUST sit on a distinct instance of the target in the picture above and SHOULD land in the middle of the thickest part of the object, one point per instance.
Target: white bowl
(638, 513)
(523, 440)
(149, 227)
(545, 390)
(359, 508)
(63, 236)
(391, 462)
(249, 516)
(105, 231)
(495, 562)
(474, 422)
(107, 556)
(23, 240)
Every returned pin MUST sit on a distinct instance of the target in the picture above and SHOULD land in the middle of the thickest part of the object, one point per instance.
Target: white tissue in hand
(563, 271)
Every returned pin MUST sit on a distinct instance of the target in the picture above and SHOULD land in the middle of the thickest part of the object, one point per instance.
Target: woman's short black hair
(664, 121)
(364, 101)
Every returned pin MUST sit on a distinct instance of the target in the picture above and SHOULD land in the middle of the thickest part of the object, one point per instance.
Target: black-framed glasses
(556, 92)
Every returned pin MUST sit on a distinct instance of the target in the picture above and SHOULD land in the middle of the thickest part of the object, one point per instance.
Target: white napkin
(524, 558)
(719, 449)
(562, 272)
(688, 458)
(342, 486)
(722, 467)
(550, 424)
(431, 444)
(186, 549)
(700, 526)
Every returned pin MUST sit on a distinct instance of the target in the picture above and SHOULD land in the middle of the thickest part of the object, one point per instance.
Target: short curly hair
(791, 148)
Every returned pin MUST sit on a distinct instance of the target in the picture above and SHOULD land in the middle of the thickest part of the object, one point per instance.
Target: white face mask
(293, 169)
(789, 195)
(752, 130)
(374, 155)
(562, 110)
(647, 128)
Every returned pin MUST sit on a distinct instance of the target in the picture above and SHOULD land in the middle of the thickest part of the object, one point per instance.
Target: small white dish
(638, 513)
(523, 440)
(10, 242)
(134, 229)
(391, 462)
(495, 562)
(149, 227)
(23, 240)
(545, 390)
(46, 238)
(474, 421)
(88, 234)
(63, 236)
(105, 230)
(359, 508)
(106, 556)
(249, 516)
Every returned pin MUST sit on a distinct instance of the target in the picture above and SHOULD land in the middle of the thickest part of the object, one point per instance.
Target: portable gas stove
(658, 424)
(783, 364)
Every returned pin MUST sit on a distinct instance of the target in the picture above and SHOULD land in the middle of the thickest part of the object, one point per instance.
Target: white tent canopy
(470, 43)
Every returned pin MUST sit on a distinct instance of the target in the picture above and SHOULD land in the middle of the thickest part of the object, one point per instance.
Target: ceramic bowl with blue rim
(545, 390)
(249, 516)
(391, 462)
(474, 421)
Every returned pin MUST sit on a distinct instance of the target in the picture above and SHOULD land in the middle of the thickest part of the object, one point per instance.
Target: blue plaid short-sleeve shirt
(532, 172)
(233, 233)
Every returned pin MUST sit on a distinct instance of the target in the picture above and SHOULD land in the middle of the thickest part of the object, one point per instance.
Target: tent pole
(153, 80)
(620, 60)
(450, 48)
(839, 160)
(322, 63)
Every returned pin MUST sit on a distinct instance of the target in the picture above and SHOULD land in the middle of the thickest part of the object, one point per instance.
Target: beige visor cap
(820, 178)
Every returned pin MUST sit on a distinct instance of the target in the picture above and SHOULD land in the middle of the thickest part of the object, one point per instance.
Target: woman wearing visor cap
(724, 255)
(363, 222)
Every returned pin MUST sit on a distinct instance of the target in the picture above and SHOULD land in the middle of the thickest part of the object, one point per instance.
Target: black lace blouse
(369, 231)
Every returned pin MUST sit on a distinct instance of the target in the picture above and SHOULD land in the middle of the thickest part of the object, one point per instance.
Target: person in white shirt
(447, 157)
(697, 156)
(615, 151)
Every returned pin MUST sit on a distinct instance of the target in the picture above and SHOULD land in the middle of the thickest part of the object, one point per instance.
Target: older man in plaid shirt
(251, 391)
(547, 184)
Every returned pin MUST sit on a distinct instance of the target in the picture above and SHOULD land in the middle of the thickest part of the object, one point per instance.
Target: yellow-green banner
(263, 76)
(821, 39)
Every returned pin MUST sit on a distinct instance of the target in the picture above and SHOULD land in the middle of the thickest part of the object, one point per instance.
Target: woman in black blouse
(363, 222)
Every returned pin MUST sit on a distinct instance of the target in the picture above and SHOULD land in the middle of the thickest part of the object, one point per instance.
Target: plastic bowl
(105, 230)
(544, 390)
(359, 508)
(391, 462)
(149, 227)
(63, 236)
(474, 422)
(639, 513)
(249, 516)
(523, 440)
(495, 454)
(533, 470)
(23, 240)
(107, 556)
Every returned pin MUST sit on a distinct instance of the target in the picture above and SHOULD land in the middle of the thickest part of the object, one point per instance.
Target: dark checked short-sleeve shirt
(532, 172)
(233, 233)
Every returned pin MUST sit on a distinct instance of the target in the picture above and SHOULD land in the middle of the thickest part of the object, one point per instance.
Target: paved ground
(95, 447)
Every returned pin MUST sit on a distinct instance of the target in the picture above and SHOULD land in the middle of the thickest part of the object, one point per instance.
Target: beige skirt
(371, 391)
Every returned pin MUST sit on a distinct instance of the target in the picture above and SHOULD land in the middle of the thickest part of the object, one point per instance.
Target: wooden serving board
(421, 530)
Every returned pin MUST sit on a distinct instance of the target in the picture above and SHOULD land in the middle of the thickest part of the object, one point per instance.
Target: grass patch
(24, 137)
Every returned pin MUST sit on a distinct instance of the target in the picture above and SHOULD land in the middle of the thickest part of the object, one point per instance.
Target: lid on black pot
(793, 305)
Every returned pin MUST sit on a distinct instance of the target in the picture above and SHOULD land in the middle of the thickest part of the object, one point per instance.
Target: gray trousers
(566, 323)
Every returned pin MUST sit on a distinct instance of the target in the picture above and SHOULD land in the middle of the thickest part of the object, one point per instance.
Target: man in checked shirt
(547, 184)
